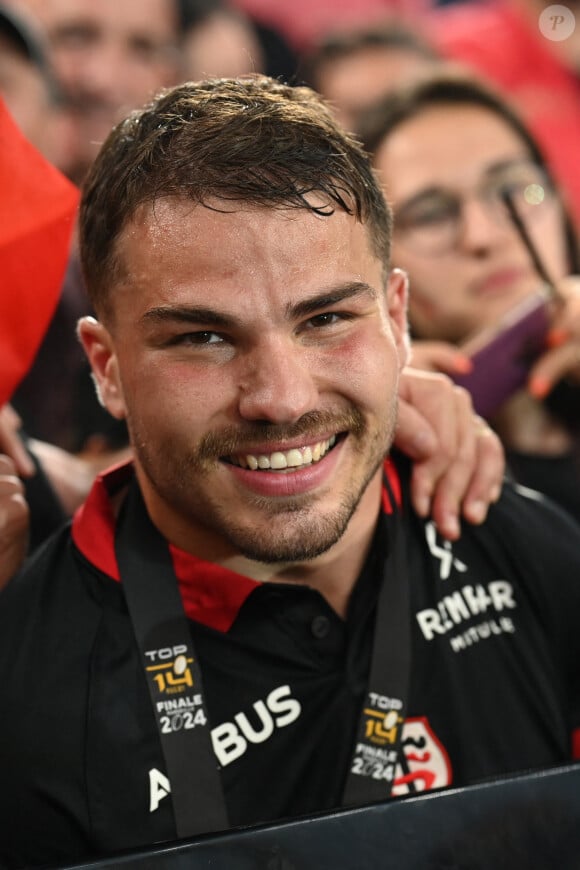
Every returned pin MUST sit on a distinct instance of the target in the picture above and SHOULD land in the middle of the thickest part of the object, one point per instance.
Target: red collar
(211, 594)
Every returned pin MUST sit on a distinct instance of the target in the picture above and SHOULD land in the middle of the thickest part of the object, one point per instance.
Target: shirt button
(320, 627)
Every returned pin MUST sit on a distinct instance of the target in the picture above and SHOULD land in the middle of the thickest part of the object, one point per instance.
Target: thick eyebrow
(193, 314)
(510, 163)
(420, 196)
(328, 298)
(188, 314)
(489, 172)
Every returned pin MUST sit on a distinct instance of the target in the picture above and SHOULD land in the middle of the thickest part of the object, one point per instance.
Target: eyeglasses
(431, 222)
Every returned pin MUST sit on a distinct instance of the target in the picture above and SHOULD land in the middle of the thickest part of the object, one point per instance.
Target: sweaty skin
(253, 333)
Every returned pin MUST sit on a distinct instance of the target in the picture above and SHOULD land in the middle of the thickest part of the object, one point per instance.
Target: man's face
(110, 57)
(241, 343)
(463, 152)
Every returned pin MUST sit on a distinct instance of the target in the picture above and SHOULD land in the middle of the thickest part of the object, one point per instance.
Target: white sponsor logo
(230, 739)
(486, 629)
(463, 604)
(159, 788)
(442, 551)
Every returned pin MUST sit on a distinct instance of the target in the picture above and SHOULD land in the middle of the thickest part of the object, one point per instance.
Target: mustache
(313, 426)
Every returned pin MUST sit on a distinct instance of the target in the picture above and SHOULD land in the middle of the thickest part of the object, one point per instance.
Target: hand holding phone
(502, 355)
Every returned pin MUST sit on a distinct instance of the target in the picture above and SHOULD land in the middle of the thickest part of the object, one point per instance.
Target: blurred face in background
(444, 171)
(224, 45)
(109, 58)
(353, 82)
(27, 96)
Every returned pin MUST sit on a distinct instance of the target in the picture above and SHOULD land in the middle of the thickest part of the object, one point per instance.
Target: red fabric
(210, 593)
(304, 23)
(395, 484)
(37, 209)
(576, 744)
(497, 41)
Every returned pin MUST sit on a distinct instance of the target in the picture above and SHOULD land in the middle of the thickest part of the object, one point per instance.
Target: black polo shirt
(494, 682)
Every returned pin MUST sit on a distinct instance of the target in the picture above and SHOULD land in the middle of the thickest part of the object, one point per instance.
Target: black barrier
(530, 822)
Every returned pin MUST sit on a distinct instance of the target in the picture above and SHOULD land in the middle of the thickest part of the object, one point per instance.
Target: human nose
(479, 226)
(278, 385)
(103, 71)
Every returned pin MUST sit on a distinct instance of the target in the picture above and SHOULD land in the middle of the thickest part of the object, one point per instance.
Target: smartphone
(502, 354)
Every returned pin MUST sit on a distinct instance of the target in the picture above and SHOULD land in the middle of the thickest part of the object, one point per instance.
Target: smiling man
(250, 621)
(248, 380)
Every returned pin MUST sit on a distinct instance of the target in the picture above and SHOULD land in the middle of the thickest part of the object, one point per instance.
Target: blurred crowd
(256, 338)
(463, 105)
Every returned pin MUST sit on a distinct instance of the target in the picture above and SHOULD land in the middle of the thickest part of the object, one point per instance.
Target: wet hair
(225, 144)
(453, 87)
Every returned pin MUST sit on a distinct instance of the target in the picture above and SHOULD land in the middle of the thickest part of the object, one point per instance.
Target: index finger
(12, 445)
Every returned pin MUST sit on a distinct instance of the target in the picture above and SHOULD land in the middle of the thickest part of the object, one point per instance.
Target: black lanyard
(377, 746)
(175, 685)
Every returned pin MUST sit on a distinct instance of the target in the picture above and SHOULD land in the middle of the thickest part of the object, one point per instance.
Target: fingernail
(495, 493)
(539, 387)
(422, 505)
(450, 527)
(424, 442)
(463, 364)
(477, 511)
(557, 337)
(28, 468)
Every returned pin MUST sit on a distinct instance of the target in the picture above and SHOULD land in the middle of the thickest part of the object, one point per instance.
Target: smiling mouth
(289, 460)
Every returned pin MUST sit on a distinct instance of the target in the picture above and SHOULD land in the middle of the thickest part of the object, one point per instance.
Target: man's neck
(335, 580)
(333, 573)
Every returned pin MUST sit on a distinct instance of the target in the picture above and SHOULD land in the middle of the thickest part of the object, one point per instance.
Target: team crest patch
(425, 764)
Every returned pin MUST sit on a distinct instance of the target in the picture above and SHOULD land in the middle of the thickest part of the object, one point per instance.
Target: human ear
(99, 348)
(397, 299)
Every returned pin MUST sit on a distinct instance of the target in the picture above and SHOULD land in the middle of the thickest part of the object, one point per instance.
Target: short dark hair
(249, 140)
(453, 86)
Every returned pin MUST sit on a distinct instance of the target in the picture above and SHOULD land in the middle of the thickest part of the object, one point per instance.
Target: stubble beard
(293, 529)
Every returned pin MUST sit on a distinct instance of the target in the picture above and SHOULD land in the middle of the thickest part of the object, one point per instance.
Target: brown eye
(201, 338)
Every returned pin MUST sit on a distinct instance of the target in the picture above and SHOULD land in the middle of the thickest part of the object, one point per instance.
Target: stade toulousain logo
(426, 764)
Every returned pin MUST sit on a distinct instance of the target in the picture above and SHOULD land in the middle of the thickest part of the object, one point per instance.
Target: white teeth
(294, 458)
